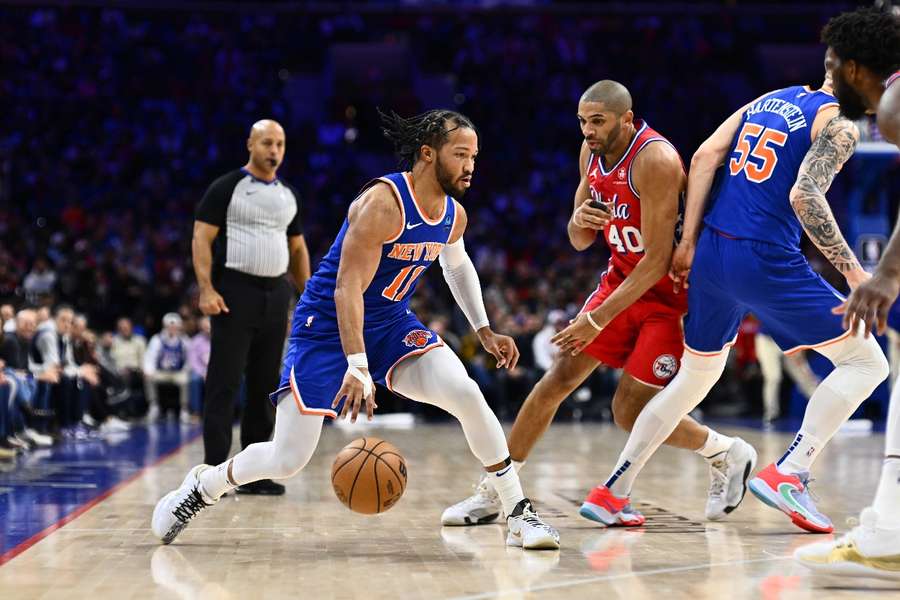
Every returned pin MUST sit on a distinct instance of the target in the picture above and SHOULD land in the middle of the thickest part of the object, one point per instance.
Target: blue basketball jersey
(751, 199)
(403, 259)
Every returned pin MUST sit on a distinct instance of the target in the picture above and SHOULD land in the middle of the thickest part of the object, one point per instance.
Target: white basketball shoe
(867, 551)
(728, 474)
(177, 508)
(526, 529)
(480, 508)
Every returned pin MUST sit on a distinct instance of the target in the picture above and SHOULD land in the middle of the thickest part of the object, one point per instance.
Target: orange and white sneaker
(602, 506)
(789, 493)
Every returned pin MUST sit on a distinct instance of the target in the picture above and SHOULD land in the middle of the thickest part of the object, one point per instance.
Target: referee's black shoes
(263, 487)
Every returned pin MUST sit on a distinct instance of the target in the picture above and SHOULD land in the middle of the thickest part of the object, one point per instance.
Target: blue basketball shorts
(732, 277)
(314, 364)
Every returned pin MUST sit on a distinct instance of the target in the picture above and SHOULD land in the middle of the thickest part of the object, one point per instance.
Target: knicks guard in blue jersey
(748, 258)
(314, 365)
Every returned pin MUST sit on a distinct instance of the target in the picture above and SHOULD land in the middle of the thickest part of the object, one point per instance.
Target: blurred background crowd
(115, 120)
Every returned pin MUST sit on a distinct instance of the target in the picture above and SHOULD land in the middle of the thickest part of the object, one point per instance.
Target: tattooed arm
(829, 151)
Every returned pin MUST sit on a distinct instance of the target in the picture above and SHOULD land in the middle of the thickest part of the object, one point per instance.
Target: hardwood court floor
(307, 545)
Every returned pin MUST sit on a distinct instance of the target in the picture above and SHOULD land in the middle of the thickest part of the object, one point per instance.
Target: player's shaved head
(264, 127)
(613, 95)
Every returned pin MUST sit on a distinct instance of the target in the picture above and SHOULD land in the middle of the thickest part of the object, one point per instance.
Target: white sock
(800, 454)
(518, 464)
(506, 483)
(887, 497)
(214, 482)
(860, 366)
(716, 444)
(661, 416)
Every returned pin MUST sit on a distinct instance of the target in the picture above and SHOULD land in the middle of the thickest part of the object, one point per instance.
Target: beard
(604, 145)
(452, 188)
(852, 104)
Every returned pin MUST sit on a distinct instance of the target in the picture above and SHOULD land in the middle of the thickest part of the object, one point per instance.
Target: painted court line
(586, 580)
(22, 547)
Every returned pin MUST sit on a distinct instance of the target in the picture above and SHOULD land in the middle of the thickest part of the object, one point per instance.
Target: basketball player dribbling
(779, 155)
(353, 326)
(864, 57)
(632, 180)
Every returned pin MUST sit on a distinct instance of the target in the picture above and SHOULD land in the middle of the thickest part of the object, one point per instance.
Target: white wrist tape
(356, 362)
(462, 278)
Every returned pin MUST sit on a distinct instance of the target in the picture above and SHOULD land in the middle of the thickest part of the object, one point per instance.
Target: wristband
(358, 361)
(592, 322)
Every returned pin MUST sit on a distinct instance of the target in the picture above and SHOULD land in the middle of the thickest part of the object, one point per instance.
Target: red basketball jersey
(623, 234)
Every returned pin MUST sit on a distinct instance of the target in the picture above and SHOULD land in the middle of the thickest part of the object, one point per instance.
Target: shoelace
(719, 478)
(530, 517)
(188, 508)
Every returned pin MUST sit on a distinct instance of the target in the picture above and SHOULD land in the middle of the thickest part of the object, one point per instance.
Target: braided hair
(431, 128)
(869, 36)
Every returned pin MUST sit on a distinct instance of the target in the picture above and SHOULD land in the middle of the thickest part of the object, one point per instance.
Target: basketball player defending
(633, 318)
(353, 326)
(864, 57)
(780, 154)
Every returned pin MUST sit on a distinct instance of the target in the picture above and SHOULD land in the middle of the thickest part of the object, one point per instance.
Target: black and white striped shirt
(255, 218)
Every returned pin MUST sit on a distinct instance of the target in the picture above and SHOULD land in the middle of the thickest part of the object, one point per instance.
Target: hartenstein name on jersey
(792, 114)
(414, 252)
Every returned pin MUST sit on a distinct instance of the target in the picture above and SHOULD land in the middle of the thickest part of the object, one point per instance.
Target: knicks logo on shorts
(665, 366)
(417, 338)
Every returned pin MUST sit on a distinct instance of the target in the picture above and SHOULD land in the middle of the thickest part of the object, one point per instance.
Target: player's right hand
(211, 303)
(869, 304)
(682, 259)
(590, 217)
(354, 391)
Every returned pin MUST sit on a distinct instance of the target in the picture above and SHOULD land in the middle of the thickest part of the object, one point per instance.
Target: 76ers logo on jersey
(665, 366)
(621, 174)
(417, 338)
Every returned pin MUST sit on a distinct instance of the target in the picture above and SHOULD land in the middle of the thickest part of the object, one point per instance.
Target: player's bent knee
(623, 417)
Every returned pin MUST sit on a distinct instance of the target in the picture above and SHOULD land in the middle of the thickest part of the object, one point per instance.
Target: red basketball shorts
(646, 339)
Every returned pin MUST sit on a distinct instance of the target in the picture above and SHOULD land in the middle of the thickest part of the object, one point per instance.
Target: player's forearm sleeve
(461, 276)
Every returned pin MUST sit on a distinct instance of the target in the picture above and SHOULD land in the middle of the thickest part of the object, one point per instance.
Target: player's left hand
(501, 347)
(869, 304)
(577, 335)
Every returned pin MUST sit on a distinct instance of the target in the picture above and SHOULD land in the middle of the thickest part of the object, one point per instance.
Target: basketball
(369, 475)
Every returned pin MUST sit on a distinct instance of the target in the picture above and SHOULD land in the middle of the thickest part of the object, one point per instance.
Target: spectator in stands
(39, 283)
(127, 353)
(8, 318)
(198, 360)
(165, 364)
(52, 349)
(544, 351)
(24, 411)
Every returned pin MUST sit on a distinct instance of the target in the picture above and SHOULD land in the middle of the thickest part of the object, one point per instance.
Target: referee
(247, 234)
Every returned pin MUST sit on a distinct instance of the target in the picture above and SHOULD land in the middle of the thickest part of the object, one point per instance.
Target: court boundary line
(83, 508)
(600, 578)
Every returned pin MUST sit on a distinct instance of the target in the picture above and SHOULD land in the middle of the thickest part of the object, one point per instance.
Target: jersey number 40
(758, 170)
(629, 237)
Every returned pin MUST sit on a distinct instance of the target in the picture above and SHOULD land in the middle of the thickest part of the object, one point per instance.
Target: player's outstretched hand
(356, 392)
(869, 304)
(590, 215)
(501, 347)
(577, 335)
(682, 259)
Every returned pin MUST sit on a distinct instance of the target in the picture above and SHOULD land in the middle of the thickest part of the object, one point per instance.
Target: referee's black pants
(247, 341)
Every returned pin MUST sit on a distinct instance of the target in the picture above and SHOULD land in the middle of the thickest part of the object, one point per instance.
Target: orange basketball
(369, 475)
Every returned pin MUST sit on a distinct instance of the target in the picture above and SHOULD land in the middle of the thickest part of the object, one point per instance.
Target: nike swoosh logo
(503, 472)
(251, 192)
(411, 226)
